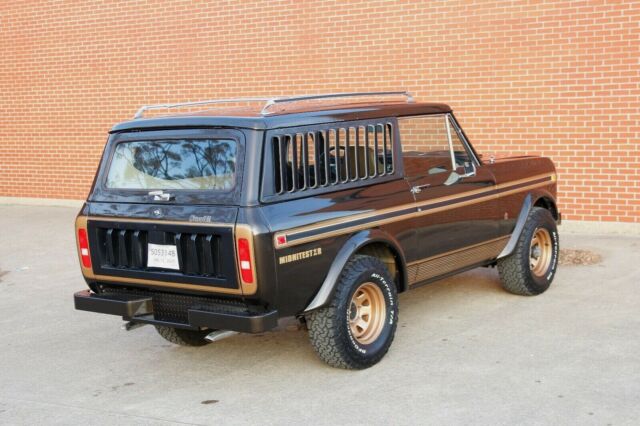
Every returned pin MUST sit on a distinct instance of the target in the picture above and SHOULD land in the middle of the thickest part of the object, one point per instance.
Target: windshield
(188, 164)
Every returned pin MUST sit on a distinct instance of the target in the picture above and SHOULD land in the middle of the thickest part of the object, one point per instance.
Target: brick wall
(553, 78)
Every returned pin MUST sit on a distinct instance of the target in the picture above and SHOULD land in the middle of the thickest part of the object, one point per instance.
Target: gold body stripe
(411, 215)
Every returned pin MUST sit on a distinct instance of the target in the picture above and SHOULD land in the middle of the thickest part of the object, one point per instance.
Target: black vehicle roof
(284, 116)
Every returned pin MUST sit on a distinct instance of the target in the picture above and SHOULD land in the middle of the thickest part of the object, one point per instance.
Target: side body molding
(527, 205)
(352, 245)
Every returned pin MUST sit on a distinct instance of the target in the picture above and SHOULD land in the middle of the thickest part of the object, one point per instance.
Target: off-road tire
(329, 327)
(515, 270)
(182, 337)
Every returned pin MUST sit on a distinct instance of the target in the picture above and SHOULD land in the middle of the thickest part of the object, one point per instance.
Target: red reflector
(281, 240)
(83, 245)
(244, 260)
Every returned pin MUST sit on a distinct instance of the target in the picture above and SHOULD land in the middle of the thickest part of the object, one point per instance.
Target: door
(457, 217)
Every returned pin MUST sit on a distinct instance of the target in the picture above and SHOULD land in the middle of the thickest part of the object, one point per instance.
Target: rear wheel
(530, 269)
(357, 328)
(183, 337)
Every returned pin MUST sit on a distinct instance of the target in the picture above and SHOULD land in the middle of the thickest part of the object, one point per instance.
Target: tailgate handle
(161, 196)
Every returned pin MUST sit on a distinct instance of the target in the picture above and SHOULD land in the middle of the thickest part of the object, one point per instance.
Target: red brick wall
(553, 78)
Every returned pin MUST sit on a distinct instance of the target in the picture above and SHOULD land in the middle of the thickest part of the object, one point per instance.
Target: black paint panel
(299, 281)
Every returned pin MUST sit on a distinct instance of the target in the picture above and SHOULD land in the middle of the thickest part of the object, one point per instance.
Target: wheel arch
(545, 200)
(391, 256)
(372, 242)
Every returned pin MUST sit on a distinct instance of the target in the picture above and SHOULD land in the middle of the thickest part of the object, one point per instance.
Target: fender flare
(353, 244)
(527, 205)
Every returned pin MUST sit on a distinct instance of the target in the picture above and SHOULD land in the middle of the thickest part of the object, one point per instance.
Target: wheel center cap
(536, 252)
(353, 311)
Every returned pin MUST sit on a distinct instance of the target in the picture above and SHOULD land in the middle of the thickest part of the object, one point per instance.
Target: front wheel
(357, 328)
(530, 269)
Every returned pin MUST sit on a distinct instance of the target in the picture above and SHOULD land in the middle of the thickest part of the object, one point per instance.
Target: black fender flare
(350, 247)
(550, 200)
(529, 201)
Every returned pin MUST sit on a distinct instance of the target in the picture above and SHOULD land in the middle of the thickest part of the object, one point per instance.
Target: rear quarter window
(316, 159)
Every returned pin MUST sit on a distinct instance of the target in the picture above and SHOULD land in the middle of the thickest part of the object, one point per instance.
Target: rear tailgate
(123, 237)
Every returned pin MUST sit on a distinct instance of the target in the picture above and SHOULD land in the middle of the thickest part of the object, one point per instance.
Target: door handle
(418, 188)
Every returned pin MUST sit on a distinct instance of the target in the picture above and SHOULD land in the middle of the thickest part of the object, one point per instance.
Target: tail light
(83, 246)
(245, 261)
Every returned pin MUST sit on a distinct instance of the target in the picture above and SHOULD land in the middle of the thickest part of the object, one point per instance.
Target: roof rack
(271, 101)
(274, 101)
(140, 112)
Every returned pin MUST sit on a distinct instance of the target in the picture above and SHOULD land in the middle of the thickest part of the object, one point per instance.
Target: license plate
(162, 256)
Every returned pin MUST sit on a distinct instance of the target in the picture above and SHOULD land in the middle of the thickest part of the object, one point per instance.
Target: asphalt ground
(465, 351)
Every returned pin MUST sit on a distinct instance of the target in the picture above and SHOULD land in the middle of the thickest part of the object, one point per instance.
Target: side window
(460, 153)
(425, 142)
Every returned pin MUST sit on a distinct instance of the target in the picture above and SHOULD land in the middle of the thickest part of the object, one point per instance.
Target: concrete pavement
(465, 351)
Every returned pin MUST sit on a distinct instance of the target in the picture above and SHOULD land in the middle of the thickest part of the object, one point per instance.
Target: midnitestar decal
(300, 255)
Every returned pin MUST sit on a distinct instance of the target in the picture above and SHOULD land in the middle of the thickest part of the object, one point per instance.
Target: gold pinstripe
(448, 253)
(433, 266)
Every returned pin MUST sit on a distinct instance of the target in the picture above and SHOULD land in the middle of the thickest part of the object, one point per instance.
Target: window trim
(465, 141)
(452, 155)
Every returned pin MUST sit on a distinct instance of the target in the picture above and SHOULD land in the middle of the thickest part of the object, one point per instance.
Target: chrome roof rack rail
(274, 101)
(140, 112)
(271, 101)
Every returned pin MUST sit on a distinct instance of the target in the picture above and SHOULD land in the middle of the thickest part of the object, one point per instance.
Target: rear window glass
(188, 164)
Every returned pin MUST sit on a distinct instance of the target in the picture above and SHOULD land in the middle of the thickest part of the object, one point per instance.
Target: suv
(323, 208)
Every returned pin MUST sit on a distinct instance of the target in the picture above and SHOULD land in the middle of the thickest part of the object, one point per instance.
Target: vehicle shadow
(287, 346)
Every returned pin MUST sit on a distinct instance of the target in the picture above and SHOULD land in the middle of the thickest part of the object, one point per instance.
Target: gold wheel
(540, 252)
(367, 313)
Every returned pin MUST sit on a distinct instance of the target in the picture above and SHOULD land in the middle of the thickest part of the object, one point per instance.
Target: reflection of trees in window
(213, 159)
(155, 158)
(185, 159)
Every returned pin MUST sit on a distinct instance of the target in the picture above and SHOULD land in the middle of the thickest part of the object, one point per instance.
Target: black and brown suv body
(321, 207)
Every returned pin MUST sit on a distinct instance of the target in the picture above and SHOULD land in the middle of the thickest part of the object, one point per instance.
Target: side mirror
(453, 178)
(469, 171)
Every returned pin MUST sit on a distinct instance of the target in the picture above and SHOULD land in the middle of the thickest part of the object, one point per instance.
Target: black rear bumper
(139, 308)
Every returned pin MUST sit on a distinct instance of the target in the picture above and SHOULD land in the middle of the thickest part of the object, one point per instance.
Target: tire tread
(515, 278)
(326, 334)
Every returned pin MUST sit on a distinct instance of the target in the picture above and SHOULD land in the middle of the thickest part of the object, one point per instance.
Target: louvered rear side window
(334, 156)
